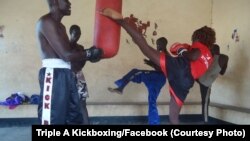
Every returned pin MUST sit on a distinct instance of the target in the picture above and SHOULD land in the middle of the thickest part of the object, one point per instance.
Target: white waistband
(56, 63)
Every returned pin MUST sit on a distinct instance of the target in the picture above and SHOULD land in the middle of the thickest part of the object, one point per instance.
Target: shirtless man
(60, 103)
(75, 34)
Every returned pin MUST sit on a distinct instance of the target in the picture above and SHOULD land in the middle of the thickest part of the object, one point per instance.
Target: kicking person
(218, 67)
(180, 71)
(154, 80)
(59, 102)
(77, 66)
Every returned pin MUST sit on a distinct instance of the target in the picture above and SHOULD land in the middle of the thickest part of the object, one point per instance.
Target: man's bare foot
(111, 13)
(115, 90)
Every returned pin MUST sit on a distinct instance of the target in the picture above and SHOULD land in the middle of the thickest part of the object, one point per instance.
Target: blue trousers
(154, 81)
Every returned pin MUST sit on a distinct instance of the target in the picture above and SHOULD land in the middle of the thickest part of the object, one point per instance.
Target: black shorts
(59, 99)
(179, 76)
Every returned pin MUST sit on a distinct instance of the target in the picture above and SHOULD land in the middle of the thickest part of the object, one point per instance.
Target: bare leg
(205, 105)
(137, 37)
(205, 99)
(174, 111)
(85, 112)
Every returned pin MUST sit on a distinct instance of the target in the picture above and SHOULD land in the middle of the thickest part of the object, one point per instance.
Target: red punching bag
(106, 31)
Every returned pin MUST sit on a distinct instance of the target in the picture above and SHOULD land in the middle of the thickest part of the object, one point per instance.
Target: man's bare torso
(46, 49)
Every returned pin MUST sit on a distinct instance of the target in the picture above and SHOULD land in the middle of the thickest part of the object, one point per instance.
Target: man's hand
(148, 62)
(93, 54)
(151, 64)
(111, 13)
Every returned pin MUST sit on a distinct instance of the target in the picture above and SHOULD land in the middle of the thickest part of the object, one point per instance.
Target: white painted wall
(176, 20)
(233, 88)
(19, 56)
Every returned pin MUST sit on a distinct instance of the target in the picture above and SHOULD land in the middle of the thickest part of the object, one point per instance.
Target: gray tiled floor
(15, 133)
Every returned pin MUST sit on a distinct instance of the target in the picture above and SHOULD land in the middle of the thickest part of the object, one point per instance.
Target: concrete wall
(229, 15)
(20, 60)
(231, 19)
(175, 19)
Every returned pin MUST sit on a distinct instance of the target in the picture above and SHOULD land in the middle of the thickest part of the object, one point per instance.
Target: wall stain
(1, 31)
(141, 26)
(235, 35)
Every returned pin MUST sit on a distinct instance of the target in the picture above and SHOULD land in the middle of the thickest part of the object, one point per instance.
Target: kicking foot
(115, 90)
(111, 13)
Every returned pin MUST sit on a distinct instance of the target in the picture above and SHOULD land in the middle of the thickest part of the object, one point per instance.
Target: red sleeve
(163, 63)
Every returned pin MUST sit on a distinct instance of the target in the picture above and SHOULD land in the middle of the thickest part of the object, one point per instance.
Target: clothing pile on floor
(19, 98)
